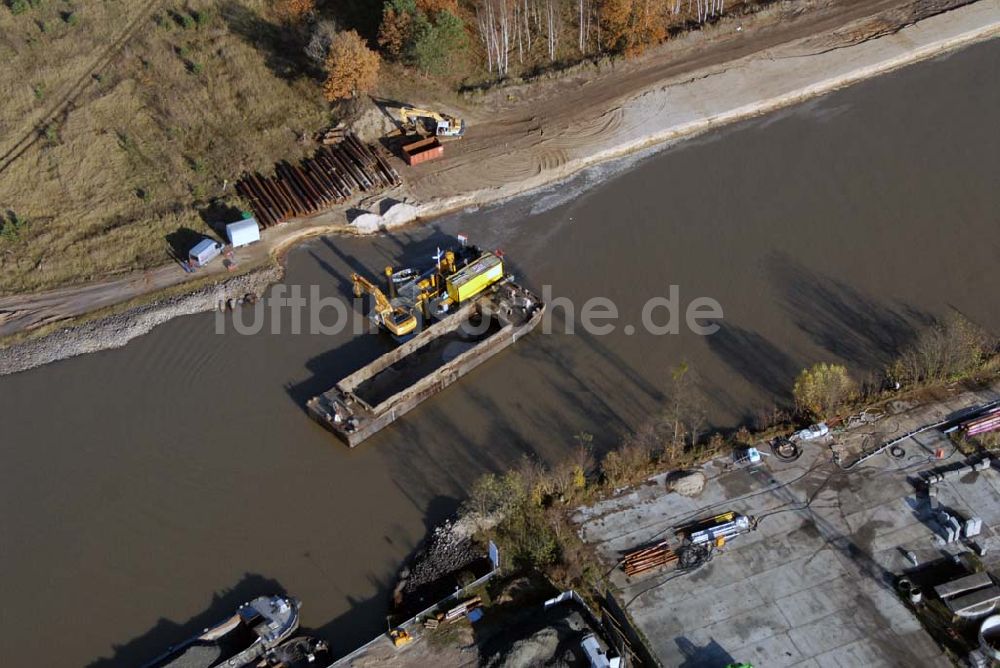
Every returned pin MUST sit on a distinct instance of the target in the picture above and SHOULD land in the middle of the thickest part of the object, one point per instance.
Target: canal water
(146, 491)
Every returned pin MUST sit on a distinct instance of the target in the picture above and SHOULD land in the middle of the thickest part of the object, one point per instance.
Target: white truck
(204, 252)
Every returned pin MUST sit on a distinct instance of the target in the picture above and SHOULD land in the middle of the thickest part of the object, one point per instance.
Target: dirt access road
(527, 136)
(544, 126)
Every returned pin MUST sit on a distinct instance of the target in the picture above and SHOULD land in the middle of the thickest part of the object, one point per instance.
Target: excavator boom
(447, 126)
(397, 320)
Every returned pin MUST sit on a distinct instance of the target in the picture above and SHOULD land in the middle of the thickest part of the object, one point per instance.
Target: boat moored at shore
(258, 626)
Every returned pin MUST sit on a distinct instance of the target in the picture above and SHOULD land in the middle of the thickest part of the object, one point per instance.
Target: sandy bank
(555, 148)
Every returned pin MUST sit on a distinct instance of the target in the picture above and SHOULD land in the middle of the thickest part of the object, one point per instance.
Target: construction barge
(475, 311)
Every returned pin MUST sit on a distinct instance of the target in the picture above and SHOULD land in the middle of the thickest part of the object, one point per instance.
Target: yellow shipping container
(468, 282)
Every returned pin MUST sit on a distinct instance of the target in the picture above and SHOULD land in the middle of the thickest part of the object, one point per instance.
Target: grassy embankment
(125, 121)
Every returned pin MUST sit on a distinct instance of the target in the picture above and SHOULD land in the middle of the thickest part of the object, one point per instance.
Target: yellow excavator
(398, 320)
(447, 126)
(432, 294)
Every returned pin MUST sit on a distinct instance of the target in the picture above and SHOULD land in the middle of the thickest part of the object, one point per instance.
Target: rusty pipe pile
(648, 558)
(983, 424)
(330, 177)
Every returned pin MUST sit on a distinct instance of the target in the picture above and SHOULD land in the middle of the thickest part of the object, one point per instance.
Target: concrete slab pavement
(814, 585)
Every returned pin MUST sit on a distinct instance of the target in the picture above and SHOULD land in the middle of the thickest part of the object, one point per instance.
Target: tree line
(492, 39)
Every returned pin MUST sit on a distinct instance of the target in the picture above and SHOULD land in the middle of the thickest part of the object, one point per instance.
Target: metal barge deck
(376, 395)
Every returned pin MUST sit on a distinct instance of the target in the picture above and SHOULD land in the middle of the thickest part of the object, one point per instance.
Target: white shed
(204, 252)
(243, 232)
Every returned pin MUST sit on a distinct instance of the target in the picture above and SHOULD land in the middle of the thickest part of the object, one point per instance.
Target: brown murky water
(146, 491)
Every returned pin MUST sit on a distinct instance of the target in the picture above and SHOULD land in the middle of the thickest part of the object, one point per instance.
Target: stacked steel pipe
(332, 136)
(990, 421)
(648, 558)
(330, 177)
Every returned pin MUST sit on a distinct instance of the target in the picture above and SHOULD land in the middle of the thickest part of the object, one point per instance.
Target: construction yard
(818, 582)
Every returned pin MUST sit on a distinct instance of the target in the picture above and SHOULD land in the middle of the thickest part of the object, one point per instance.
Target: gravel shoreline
(114, 331)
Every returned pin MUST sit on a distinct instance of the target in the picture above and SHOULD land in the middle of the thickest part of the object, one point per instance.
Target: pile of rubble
(448, 551)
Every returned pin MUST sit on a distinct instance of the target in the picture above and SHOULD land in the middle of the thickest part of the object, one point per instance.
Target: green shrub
(51, 134)
(823, 389)
(427, 41)
(202, 17)
(17, 6)
(943, 351)
(435, 42)
(512, 505)
(12, 226)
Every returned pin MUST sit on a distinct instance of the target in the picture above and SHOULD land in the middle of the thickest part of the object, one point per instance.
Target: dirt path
(532, 135)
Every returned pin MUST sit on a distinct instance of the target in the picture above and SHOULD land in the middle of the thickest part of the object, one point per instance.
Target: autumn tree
(394, 33)
(823, 389)
(629, 26)
(615, 18)
(432, 7)
(295, 11)
(648, 24)
(351, 67)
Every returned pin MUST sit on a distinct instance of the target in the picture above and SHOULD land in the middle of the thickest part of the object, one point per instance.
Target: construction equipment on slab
(746, 456)
(330, 177)
(463, 609)
(444, 125)
(983, 423)
(648, 558)
(453, 614)
(399, 637)
(717, 530)
(973, 595)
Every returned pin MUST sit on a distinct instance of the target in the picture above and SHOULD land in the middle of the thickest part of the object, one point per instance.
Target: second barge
(472, 331)
(258, 627)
